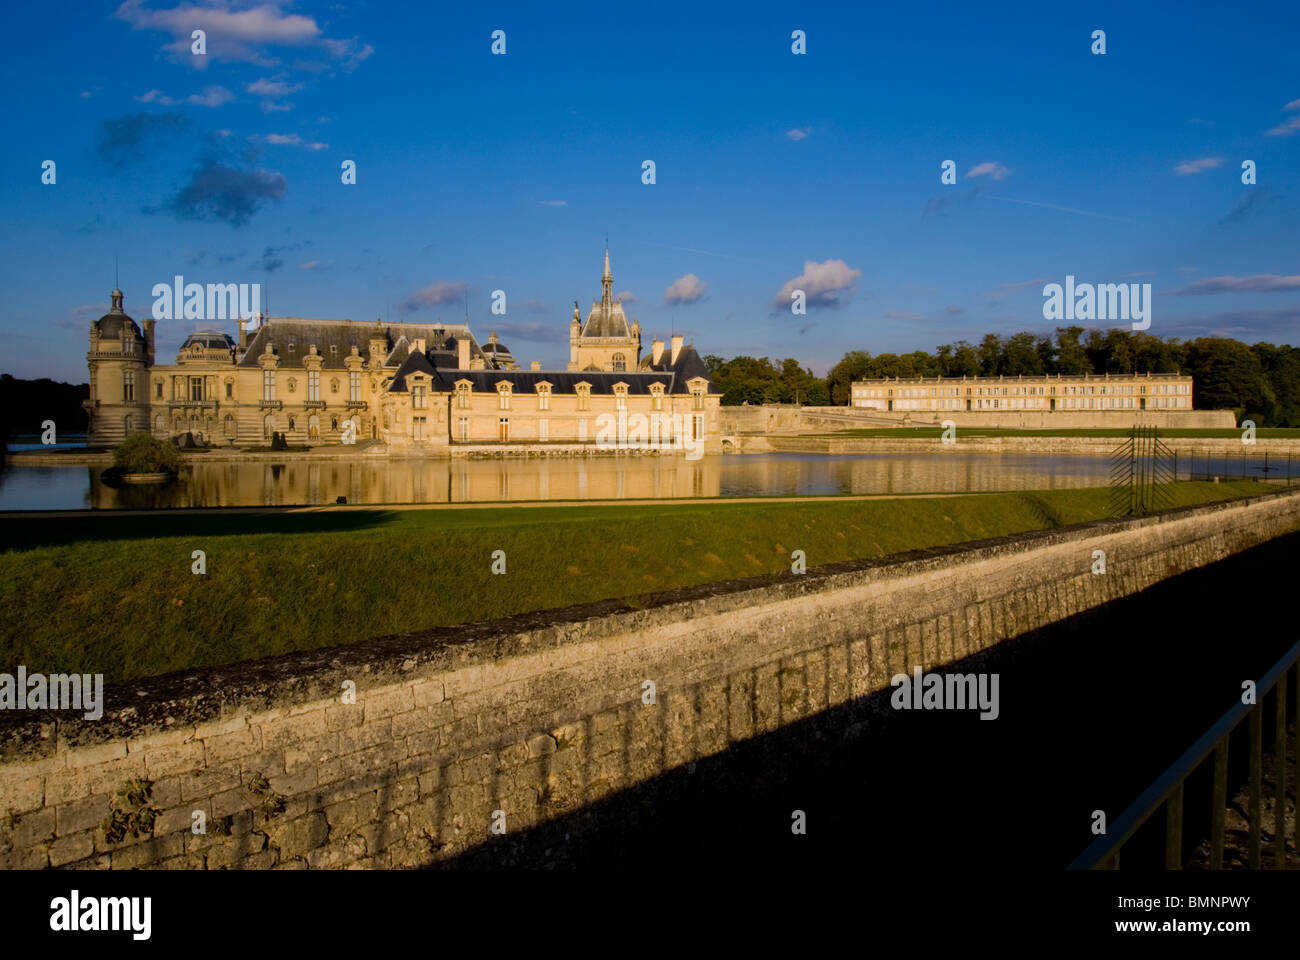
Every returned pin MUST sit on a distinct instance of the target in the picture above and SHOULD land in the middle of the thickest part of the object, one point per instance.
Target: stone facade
(1119, 395)
(514, 722)
(414, 388)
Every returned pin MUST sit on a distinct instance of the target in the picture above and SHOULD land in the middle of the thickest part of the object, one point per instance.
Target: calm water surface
(602, 478)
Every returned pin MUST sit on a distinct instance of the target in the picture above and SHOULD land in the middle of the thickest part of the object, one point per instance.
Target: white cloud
(290, 140)
(988, 169)
(824, 284)
(1259, 283)
(1198, 166)
(554, 203)
(239, 31)
(627, 296)
(685, 289)
(210, 97)
(799, 133)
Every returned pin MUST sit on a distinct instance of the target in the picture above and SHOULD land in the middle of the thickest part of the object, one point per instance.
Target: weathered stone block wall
(539, 714)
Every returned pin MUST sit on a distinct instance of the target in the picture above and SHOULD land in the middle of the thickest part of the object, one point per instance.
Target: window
(313, 385)
(230, 389)
(503, 396)
(543, 398)
(128, 385)
(543, 429)
(268, 425)
(503, 429)
(657, 394)
(196, 388)
(419, 400)
(462, 429)
(620, 398)
(334, 348)
(584, 396)
(334, 424)
(462, 396)
(417, 428)
(229, 425)
(697, 400)
(313, 426)
(291, 423)
(127, 424)
(697, 427)
(157, 389)
(354, 385)
(268, 385)
(620, 362)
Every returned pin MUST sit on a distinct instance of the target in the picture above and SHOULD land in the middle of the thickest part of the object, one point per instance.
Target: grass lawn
(115, 595)
(904, 433)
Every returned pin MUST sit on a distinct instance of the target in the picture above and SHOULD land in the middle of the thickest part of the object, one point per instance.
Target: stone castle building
(414, 387)
(1051, 393)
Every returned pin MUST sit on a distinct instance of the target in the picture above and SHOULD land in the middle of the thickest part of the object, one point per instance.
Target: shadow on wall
(1092, 710)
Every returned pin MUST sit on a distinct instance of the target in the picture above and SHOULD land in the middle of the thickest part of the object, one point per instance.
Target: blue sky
(478, 172)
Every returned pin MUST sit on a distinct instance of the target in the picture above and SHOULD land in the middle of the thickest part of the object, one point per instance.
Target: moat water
(598, 478)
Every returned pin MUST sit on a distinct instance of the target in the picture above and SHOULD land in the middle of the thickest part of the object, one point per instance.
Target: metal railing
(1167, 792)
(1244, 466)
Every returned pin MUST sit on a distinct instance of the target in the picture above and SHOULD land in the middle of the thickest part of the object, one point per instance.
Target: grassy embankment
(115, 595)
(926, 433)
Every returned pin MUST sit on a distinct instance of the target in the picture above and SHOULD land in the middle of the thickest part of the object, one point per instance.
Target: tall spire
(607, 286)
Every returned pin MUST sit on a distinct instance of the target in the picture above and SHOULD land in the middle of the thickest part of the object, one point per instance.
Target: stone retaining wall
(515, 721)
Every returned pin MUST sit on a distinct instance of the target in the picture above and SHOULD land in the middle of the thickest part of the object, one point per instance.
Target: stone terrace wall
(536, 715)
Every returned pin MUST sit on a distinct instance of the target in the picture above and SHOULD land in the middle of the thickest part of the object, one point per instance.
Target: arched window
(160, 424)
(230, 425)
(268, 426)
(620, 362)
(128, 385)
(313, 426)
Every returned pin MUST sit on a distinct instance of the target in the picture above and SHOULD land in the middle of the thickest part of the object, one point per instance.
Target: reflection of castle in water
(300, 482)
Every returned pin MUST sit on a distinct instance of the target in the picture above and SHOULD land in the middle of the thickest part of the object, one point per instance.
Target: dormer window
(462, 396)
(620, 397)
(584, 396)
(544, 397)
(657, 396)
(503, 396)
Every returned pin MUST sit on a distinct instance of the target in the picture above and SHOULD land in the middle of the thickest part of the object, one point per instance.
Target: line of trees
(1259, 382)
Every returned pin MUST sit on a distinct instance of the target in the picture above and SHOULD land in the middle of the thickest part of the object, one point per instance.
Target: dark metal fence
(1141, 468)
(1243, 466)
(1167, 792)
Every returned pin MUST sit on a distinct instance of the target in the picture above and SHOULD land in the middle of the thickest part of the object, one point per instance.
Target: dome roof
(211, 339)
(497, 352)
(113, 323)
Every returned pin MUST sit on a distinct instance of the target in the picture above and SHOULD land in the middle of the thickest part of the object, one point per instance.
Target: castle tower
(605, 341)
(119, 360)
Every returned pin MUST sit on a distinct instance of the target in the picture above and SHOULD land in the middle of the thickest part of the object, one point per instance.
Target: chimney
(462, 353)
(535, 365)
(677, 347)
(149, 324)
(656, 350)
(243, 332)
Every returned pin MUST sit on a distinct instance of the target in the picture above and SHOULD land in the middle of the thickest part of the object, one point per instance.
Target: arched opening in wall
(313, 427)
(620, 362)
(268, 426)
(160, 424)
(230, 426)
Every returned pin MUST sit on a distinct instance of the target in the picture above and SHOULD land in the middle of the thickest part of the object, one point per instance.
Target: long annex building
(412, 387)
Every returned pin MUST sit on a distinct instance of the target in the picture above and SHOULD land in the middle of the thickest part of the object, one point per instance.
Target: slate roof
(212, 339)
(602, 324)
(674, 377)
(343, 334)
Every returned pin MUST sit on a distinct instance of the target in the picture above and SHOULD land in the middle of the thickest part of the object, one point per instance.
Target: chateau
(1090, 393)
(412, 387)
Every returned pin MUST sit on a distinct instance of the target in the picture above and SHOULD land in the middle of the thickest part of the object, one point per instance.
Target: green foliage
(1260, 382)
(29, 403)
(760, 380)
(142, 453)
(136, 819)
